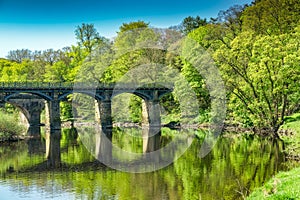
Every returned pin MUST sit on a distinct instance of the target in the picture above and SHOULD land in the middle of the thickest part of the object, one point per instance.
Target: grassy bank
(285, 185)
(9, 126)
(291, 136)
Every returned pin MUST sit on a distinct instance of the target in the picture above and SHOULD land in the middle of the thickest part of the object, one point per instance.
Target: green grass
(292, 138)
(9, 126)
(285, 185)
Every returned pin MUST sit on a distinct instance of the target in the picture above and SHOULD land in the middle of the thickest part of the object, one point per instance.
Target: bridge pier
(52, 111)
(2, 103)
(104, 132)
(152, 130)
(103, 116)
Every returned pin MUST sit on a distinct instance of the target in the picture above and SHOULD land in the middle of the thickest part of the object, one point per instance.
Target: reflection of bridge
(24, 96)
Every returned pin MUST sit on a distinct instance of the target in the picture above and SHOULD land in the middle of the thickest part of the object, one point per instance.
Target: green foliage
(9, 126)
(231, 20)
(19, 55)
(291, 126)
(262, 72)
(292, 118)
(272, 16)
(284, 185)
(197, 83)
(66, 113)
(88, 37)
(190, 23)
(255, 46)
(135, 106)
(133, 25)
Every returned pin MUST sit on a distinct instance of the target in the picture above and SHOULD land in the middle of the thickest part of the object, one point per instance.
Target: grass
(292, 136)
(9, 126)
(285, 185)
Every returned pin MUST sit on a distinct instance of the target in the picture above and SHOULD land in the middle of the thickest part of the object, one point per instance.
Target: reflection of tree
(234, 166)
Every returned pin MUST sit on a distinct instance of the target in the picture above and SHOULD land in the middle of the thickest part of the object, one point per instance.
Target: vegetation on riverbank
(285, 185)
(10, 128)
(291, 136)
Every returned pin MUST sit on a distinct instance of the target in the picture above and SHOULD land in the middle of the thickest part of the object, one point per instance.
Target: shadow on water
(230, 171)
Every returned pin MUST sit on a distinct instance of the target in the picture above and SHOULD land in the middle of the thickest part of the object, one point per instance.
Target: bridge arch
(30, 108)
(40, 94)
(142, 95)
(22, 109)
(89, 93)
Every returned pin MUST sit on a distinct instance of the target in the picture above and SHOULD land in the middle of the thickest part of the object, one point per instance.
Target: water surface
(233, 168)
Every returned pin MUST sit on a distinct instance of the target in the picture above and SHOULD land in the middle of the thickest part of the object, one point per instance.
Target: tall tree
(50, 56)
(261, 73)
(190, 23)
(19, 55)
(272, 16)
(133, 25)
(88, 37)
(232, 20)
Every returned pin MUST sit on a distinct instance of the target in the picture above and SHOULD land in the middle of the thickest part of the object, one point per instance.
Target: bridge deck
(86, 86)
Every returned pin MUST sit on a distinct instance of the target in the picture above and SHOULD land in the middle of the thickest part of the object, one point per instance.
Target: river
(232, 169)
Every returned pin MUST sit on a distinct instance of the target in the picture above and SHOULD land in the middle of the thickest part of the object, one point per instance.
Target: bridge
(53, 93)
(32, 98)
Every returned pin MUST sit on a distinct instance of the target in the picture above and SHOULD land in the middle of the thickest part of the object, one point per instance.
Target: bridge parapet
(82, 85)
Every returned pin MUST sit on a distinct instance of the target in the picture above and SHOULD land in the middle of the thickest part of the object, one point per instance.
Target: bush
(9, 126)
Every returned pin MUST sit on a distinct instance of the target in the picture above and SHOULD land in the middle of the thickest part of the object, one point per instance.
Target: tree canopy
(255, 47)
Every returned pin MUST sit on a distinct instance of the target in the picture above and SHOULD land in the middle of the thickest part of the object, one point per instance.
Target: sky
(45, 24)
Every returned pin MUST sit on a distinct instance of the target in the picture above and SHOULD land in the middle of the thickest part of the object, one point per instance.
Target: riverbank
(291, 139)
(285, 185)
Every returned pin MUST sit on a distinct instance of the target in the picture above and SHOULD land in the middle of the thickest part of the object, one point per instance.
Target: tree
(88, 37)
(19, 55)
(231, 19)
(133, 25)
(262, 77)
(11, 71)
(58, 72)
(191, 23)
(272, 16)
(50, 56)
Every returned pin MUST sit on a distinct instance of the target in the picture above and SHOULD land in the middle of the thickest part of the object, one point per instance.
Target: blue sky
(44, 24)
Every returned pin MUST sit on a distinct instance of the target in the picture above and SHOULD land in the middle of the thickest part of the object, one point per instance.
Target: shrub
(9, 126)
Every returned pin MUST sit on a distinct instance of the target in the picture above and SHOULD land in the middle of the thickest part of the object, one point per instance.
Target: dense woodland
(256, 48)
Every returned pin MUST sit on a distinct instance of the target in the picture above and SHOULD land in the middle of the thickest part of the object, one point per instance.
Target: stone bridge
(32, 98)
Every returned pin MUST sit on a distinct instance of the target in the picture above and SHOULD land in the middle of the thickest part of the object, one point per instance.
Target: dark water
(230, 171)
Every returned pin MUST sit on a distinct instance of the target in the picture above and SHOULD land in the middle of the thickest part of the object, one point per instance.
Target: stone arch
(30, 111)
(150, 105)
(89, 93)
(142, 95)
(23, 110)
(40, 94)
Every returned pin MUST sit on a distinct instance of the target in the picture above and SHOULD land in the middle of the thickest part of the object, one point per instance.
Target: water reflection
(151, 139)
(233, 168)
(53, 148)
